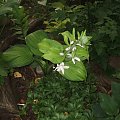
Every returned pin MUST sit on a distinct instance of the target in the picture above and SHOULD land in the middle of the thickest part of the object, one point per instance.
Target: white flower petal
(76, 58)
(66, 67)
(74, 48)
(62, 64)
(73, 60)
(67, 49)
(80, 45)
(61, 54)
(69, 55)
(71, 42)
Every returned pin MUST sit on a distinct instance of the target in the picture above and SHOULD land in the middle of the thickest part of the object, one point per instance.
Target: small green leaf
(18, 55)
(75, 72)
(66, 40)
(68, 37)
(33, 39)
(116, 92)
(108, 104)
(73, 32)
(85, 39)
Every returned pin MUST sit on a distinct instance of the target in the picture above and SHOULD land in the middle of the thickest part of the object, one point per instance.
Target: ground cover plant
(55, 98)
(75, 45)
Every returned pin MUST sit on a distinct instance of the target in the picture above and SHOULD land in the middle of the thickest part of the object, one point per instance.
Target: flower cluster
(72, 49)
(69, 54)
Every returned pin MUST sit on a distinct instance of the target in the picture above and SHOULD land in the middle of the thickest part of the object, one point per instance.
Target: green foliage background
(101, 21)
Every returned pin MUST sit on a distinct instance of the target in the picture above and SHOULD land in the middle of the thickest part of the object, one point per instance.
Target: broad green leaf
(116, 92)
(75, 72)
(53, 56)
(46, 45)
(18, 55)
(108, 104)
(82, 53)
(33, 39)
(51, 50)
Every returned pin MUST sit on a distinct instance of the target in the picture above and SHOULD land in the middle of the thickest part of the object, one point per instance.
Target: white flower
(71, 42)
(75, 59)
(80, 45)
(61, 54)
(74, 48)
(67, 49)
(60, 67)
(69, 55)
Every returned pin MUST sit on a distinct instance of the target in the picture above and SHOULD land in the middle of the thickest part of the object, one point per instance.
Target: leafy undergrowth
(55, 98)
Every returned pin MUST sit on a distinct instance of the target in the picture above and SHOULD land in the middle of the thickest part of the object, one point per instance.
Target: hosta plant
(67, 58)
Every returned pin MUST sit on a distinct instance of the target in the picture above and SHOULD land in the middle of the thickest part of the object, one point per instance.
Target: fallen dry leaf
(17, 75)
